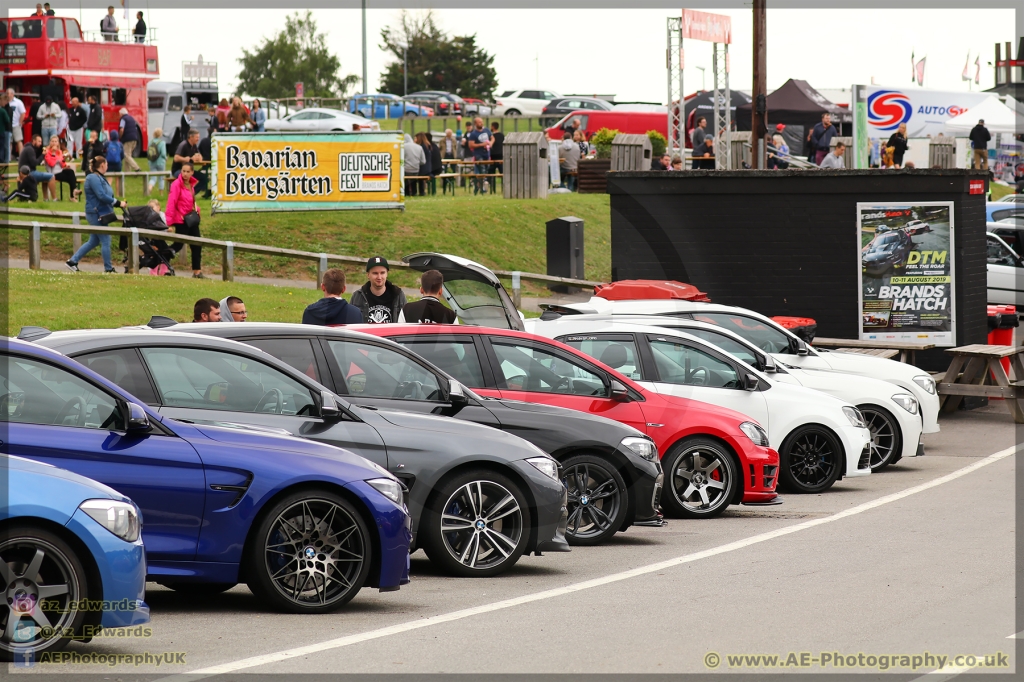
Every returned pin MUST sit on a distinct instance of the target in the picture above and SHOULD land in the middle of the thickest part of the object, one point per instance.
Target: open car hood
(472, 290)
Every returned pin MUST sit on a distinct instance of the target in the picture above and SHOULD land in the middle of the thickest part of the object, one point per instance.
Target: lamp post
(365, 86)
(405, 70)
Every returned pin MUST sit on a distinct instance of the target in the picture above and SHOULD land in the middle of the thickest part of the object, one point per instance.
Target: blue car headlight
(389, 488)
(641, 447)
(120, 518)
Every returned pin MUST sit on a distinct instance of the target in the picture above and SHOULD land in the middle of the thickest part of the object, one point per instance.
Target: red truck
(631, 122)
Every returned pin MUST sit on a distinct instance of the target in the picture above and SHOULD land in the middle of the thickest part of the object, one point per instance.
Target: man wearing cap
(979, 141)
(379, 300)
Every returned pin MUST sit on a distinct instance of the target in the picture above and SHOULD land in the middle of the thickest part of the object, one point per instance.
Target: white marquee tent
(998, 117)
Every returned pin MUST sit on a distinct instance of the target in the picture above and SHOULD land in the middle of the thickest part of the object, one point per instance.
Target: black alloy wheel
(597, 499)
(810, 459)
(43, 581)
(700, 479)
(477, 526)
(311, 553)
(886, 443)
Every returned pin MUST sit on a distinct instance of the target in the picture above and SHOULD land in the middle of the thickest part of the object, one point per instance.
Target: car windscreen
(26, 28)
(762, 335)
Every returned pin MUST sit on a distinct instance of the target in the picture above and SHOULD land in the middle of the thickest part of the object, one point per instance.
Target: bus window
(26, 28)
(3, 30)
(54, 29)
(120, 96)
(72, 29)
(174, 103)
(156, 103)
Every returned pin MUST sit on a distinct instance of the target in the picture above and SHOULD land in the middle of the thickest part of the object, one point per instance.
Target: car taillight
(499, 103)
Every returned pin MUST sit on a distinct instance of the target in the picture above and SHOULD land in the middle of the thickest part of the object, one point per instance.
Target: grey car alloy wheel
(701, 479)
(886, 440)
(596, 500)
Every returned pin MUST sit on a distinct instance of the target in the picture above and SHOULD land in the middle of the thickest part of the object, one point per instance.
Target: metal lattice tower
(676, 108)
(723, 100)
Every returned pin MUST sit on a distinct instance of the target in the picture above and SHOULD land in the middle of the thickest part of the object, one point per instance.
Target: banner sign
(307, 172)
(879, 111)
(906, 272)
(714, 28)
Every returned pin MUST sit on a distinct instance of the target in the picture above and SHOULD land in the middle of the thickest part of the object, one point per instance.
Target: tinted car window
(122, 367)
(213, 380)
(680, 364)
(38, 393)
(296, 352)
(731, 346)
(531, 94)
(376, 372)
(507, 93)
(527, 369)
(458, 358)
(607, 351)
(755, 331)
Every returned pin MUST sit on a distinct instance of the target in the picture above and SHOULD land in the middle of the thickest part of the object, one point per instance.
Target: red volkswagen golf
(712, 456)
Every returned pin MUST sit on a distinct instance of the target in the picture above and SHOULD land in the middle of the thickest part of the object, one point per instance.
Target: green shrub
(658, 143)
(602, 141)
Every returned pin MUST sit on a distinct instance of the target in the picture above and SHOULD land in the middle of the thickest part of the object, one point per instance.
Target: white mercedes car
(891, 413)
(771, 337)
(820, 439)
(318, 120)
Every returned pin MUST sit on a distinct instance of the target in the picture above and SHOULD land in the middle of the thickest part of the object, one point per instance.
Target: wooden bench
(974, 369)
(907, 349)
(884, 353)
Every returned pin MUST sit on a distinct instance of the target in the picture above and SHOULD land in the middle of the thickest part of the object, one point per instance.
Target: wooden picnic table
(974, 369)
(907, 349)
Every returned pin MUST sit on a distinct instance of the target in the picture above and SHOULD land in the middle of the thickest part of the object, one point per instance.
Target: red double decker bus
(50, 56)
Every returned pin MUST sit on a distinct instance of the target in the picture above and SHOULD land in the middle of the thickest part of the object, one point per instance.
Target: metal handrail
(228, 248)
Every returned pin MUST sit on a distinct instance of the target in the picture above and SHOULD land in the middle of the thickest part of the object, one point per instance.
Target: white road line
(1019, 635)
(266, 659)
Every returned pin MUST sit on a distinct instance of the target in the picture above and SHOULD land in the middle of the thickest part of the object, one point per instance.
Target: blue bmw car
(303, 524)
(71, 560)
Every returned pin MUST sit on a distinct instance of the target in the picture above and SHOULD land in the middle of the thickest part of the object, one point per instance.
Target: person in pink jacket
(181, 201)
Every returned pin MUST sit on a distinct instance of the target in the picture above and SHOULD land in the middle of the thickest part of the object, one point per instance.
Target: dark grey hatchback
(611, 470)
(479, 498)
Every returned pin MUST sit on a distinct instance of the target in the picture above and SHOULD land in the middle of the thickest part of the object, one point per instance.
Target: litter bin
(1002, 320)
(804, 327)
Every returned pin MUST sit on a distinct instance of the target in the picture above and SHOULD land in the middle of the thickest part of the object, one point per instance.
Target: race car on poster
(712, 456)
(820, 439)
(64, 540)
(873, 320)
(892, 414)
(479, 498)
(610, 463)
(888, 251)
(305, 525)
(917, 227)
(773, 339)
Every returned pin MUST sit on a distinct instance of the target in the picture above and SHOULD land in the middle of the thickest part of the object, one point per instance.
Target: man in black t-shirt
(186, 151)
(379, 300)
(429, 308)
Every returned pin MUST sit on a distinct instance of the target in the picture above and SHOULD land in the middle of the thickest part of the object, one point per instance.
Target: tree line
(436, 61)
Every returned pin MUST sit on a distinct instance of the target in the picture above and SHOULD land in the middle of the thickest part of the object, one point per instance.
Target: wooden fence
(227, 248)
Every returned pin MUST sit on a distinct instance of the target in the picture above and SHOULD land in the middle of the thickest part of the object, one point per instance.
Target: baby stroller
(155, 254)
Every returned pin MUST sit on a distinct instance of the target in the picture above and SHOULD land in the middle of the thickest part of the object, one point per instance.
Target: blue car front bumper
(122, 571)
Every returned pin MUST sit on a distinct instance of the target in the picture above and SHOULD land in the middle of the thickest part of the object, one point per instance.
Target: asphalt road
(918, 558)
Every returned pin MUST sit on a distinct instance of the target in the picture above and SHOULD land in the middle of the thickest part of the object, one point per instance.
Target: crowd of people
(377, 301)
(425, 159)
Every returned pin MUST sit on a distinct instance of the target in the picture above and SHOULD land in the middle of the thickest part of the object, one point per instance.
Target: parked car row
(307, 462)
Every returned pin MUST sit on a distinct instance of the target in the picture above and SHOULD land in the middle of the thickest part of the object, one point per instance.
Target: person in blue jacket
(332, 308)
(99, 204)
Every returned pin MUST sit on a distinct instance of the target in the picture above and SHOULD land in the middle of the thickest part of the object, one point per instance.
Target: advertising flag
(977, 70)
(966, 76)
(919, 70)
(906, 274)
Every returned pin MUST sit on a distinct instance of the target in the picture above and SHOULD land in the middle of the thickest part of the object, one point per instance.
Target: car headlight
(855, 417)
(641, 447)
(755, 433)
(906, 401)
(545, 465)
(389, 488)
(925, 382)
(120, 518)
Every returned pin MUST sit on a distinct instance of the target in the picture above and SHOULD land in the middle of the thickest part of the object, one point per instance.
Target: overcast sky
(620, 52)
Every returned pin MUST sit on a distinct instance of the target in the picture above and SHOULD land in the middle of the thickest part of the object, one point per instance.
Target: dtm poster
(307, 172)
(906, 272)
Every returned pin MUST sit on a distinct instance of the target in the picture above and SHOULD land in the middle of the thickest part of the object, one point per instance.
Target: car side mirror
(457, 394)
(618, 392)
(751, 382)
(329, 406)
(138, 420)
(769, 364)
(801, 348)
